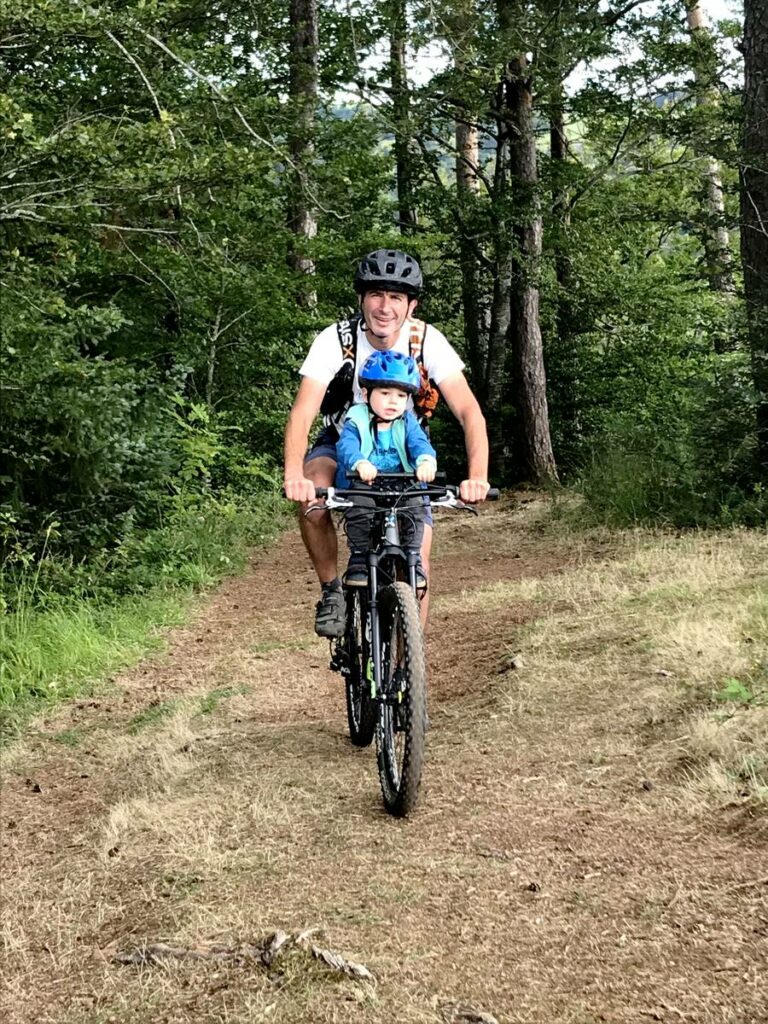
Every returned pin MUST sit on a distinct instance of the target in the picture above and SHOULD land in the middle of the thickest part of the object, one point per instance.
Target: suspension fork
(391, 545)
(373, 611)
(413, 558)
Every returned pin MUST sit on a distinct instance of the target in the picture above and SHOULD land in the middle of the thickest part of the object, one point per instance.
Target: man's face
(385, 313)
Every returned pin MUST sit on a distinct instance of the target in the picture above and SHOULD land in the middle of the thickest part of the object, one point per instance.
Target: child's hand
(426, 472)
(366, 471)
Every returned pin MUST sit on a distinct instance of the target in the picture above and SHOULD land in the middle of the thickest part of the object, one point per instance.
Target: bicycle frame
(386, 551)
(381, 654)
(393, 487)
(390, 548)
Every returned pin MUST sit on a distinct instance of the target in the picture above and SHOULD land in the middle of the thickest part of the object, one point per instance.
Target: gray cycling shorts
(324, 445)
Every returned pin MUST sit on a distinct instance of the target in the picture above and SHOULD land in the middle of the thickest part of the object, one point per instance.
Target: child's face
(388, 403)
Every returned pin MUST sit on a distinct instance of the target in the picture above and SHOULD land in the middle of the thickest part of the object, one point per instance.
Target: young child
(382, 436)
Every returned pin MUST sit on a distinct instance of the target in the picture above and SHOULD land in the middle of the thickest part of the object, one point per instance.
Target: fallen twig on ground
(264, 953)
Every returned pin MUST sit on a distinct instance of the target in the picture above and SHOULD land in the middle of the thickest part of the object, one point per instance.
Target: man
(388, 284)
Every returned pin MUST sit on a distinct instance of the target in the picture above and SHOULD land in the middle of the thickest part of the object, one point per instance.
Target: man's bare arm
(300, 419)
(464, 406)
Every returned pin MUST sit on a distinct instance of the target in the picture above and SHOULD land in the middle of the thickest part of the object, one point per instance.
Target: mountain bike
(381, 654)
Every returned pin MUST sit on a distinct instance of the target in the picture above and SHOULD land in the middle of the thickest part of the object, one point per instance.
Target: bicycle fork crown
(391, 529)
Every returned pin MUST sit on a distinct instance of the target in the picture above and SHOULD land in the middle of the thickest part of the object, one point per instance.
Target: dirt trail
(211, 796)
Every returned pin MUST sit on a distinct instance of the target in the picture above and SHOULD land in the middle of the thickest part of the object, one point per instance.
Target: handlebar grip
(320, 492)
(493, 492)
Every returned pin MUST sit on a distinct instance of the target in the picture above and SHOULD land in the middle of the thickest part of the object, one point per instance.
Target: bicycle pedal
(338, 662)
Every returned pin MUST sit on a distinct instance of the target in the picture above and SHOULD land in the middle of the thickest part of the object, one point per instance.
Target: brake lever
(451, 500)
(329, 506)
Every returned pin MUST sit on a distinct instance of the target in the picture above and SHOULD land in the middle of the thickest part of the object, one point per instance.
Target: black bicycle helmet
(390, 269)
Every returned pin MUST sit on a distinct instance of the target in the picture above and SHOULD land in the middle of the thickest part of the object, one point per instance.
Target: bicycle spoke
(400, 734)
(361, 709)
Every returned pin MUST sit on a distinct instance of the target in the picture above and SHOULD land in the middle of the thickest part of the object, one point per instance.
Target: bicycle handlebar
(442, 496)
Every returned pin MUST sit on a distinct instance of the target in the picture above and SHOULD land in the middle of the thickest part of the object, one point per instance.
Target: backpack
(338, 396)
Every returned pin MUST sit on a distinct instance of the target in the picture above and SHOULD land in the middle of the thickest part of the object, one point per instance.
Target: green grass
(69, 737)
(211, 701)
(60, 637)
(50, 654)
(152, 715)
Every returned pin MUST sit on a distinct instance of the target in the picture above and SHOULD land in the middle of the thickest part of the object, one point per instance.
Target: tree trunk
(754, 207)
(303, 92)
(401, 115)
(461, 31)
(558, 151)
(213, 338)
(525, 332)
(567, 382)
(467, 157)
(498, 336)
(717, 246)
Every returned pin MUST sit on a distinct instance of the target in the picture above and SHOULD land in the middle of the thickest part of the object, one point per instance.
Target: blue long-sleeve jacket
(357, 442)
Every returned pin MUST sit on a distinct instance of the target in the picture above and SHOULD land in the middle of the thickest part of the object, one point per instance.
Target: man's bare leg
(317, 529)
(426, 550)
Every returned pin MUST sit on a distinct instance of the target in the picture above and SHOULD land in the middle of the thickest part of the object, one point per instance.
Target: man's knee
(321, 471)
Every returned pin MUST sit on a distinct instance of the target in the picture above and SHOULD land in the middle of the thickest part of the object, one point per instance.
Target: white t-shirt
(324, 359)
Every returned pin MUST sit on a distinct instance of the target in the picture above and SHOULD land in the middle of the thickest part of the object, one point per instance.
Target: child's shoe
(357, 570)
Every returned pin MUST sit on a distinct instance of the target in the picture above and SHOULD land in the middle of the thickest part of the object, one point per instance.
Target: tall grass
(68, 626)
(51, 653)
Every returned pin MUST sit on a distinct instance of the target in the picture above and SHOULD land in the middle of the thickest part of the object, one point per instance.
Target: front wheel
(361, 708)
(401, 728)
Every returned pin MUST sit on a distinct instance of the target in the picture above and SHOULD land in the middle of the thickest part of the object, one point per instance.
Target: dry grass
(542, 880)
(662, 626)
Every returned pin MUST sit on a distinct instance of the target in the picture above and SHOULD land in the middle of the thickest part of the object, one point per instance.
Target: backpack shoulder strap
(416, 340)
(339, 393)
(347, 332)
(428, 395)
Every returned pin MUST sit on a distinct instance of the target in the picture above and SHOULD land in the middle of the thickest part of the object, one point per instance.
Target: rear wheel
(361, 708)
(400, 733)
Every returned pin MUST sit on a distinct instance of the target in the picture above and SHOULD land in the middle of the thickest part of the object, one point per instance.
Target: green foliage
(685, 455)
(150, 332)
(734, 691)
(151, 324)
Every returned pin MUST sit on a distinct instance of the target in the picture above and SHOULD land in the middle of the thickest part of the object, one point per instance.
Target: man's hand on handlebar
(472, 491)
(299, 489)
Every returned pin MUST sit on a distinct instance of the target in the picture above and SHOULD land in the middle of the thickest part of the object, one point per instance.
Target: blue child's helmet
(390, 369)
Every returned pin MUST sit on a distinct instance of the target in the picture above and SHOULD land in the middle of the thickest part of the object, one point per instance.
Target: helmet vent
(390, 270)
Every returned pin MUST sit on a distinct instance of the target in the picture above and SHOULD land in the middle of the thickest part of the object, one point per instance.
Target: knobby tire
(401, 728)
(361, 708)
